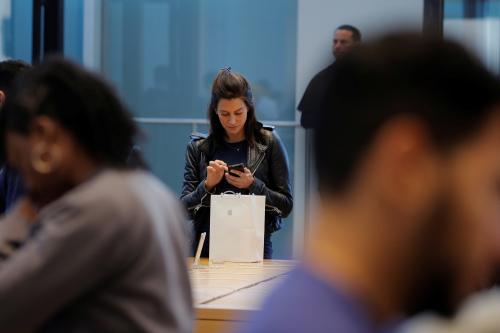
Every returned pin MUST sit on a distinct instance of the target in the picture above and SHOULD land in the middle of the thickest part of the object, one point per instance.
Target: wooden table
(226, 294)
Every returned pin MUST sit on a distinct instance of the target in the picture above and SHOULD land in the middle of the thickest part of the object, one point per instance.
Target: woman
(235, 137)
(96, 246)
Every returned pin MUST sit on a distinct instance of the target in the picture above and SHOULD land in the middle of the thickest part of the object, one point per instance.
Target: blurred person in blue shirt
(409, 173)
(11, 184)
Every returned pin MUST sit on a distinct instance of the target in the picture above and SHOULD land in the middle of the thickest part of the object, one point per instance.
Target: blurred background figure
(11, 185)
(96, 246)
(408, 171)
(344, 39)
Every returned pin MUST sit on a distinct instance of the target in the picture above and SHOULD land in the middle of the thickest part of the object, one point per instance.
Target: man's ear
(406, 172)
(2, 98)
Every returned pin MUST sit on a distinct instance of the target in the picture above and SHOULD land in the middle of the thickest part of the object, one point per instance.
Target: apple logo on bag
(230, 212)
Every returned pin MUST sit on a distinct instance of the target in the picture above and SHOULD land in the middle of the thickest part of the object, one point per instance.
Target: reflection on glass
(15, 29)
(476, 24)
(73, 30)
(162, 55)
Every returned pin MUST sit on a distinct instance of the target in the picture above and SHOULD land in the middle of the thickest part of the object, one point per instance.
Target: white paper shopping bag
(237, 228)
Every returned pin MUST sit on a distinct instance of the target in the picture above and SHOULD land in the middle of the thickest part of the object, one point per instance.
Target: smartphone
(239, 167)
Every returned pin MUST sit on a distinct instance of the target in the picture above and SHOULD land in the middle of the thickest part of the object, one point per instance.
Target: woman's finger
(237, 172)
(231, 179)
(219, 162)
(220, 171)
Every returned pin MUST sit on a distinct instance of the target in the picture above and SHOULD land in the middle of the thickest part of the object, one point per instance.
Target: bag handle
(231, 193)
(234, 193)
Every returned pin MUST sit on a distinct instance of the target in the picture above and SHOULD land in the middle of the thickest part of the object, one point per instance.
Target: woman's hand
(244, 181)
(215, 172)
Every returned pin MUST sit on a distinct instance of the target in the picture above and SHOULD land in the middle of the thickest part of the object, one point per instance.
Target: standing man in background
(345, 38)
(11, 185)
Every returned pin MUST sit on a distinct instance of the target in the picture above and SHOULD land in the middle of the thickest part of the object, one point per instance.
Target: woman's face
(232, 115)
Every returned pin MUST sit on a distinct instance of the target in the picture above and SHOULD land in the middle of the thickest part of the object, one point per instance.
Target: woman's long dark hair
(229, 85)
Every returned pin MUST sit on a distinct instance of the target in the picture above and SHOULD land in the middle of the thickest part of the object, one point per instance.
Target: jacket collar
(254, 153)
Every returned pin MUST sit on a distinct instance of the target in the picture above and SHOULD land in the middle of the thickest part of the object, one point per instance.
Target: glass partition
(476, 24)
(162, 55)
(16, 29)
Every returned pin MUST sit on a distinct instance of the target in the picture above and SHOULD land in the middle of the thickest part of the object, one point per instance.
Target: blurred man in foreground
(409, 175)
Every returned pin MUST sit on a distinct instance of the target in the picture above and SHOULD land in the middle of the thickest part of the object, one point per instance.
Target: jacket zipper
(274, 209)
(259, 162)
(197, 207)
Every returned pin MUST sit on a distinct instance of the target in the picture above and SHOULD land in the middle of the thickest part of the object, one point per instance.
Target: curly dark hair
(9, 69)
(78, 100)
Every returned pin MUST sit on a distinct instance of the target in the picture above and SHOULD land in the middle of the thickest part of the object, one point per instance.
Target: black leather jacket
(268, 163)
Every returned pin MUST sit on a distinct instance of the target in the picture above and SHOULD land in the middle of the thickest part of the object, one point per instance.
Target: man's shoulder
(320, 80)
(323, 71)
(133, 205)
(114, 193)
(313, 95)
(324, 74)
(285, 309)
